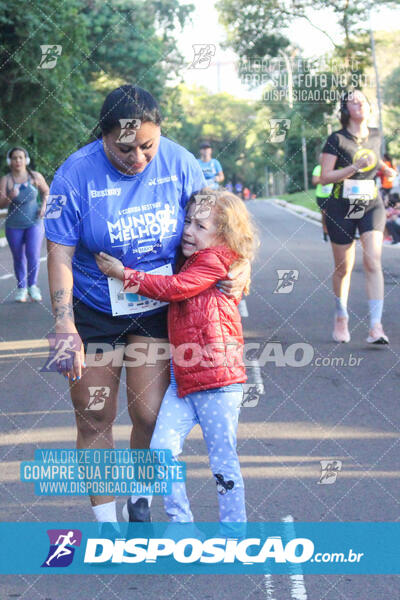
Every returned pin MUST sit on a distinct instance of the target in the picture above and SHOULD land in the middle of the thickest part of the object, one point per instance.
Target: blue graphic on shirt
(136, 218)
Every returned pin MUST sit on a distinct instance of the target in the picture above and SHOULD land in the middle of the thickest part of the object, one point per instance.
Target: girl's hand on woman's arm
(110, 266)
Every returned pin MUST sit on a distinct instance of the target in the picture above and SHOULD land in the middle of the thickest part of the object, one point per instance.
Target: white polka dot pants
(217, 413)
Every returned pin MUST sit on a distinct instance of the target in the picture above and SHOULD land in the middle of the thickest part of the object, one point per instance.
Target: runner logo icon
(55, 204)
(97, 397)
(50, 54)
(278, 130)
(329, 471)
(62, 547)
(286, 280)
(203, 54)
(61, 352)
(203, 206)
(357, 206)
(128, 130)
(251, 394)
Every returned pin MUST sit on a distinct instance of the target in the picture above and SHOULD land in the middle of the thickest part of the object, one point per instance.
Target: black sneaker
(137, 512)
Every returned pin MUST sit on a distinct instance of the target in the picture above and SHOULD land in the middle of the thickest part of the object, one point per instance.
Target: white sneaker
(21, 295)
(340, 330)
(377, 335)
(35, 293)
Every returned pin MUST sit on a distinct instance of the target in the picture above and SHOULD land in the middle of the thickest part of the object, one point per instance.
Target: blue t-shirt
(210, 170)
(136, 218)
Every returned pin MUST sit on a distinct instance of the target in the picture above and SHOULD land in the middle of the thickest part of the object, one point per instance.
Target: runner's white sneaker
(35, 293)
(21, 295)
(377, 335)
(340, 330)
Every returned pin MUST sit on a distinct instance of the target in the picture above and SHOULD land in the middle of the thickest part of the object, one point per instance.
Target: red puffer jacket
(204, 325)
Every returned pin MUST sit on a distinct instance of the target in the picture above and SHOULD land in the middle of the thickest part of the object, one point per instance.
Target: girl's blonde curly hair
(233, 221)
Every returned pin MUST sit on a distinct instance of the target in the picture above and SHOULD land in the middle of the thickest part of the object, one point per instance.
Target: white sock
(106, 513)
(341, 308)
(135, 498)
(375, 312)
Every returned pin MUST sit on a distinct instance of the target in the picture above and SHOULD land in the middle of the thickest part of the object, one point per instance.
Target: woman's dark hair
(387, 156)
(127, 102)
(21, 149)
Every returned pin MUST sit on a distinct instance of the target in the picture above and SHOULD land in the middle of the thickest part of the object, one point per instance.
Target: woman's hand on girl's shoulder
(238, 279)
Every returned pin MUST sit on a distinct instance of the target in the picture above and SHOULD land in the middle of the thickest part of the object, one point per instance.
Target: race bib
(359, 189)
(126, 303)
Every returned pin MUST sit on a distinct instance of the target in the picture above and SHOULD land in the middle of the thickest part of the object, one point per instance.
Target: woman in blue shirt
(124, 194)
(210, 166)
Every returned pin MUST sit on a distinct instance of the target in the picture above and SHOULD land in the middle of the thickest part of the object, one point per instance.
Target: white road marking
(34, 412)
(254, 369)
(298, 588)
(9, 275)
(243, 308)
(269, 586)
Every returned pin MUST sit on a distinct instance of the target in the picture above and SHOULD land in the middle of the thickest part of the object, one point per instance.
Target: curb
(297, 208)
(3, 242)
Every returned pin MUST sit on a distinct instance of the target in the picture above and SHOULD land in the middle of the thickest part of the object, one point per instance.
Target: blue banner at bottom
(231, 548)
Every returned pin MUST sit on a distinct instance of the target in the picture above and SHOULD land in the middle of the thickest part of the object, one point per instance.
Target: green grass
(306, 199)
(2, 233)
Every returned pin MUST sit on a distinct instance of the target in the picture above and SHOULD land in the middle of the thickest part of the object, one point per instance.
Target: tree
(52, 111)
(235, 127)
(259, 27)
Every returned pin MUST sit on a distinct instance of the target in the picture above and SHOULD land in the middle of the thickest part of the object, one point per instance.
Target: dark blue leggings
(25, 245)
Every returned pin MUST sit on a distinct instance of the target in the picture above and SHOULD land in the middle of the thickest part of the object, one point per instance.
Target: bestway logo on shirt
(159, 180)
(106, 192)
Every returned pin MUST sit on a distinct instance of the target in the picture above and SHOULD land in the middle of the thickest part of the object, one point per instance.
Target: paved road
(323, 410)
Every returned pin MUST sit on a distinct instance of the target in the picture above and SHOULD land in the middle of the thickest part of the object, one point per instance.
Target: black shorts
(322, 202)
(343, 220)
(95, 326)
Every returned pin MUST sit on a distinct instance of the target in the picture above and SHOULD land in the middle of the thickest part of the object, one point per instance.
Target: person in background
(350, 160)
(393, 223)
(229, 186)
(386, 179)
(239, 189)
(19, 191)
(246, 193)
(322, 194)
(210, 166)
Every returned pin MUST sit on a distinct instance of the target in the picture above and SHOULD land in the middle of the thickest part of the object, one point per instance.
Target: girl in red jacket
(205, 332)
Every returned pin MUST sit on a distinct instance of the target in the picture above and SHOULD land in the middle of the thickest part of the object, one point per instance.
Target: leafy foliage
(51, 111)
